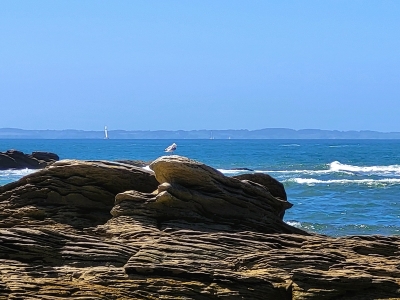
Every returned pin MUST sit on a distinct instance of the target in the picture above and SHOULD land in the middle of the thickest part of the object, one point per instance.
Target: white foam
(19, 173)
(333, 167)
(337, 167)
(312, 181)
(383, 170)
(294, 224)
(308, 172)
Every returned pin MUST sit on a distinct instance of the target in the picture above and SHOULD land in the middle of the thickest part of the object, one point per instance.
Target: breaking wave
(331, 168)
(18, 173)
(368, 182)
(7, 176)
(367, 170)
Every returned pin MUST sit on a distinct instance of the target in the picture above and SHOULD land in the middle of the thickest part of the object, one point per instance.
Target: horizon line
(173, 130)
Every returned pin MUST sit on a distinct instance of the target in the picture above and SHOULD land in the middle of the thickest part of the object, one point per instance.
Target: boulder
(275, 187)
(13, 159)
(105, 230)
(194, 192)
(77, 193)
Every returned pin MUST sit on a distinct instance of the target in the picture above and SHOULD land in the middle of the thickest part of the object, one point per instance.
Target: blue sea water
(338, 187)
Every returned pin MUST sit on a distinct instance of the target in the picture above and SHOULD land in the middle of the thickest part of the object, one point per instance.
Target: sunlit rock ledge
(109, 230)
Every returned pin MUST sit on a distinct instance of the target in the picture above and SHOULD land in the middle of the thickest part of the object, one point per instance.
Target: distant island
(267, 133)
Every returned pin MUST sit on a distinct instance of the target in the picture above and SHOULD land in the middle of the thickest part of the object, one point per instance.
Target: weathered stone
(136, 163)
(188, 238)
(13, 159)
(194, 192)
(275, 187)
(78, 193)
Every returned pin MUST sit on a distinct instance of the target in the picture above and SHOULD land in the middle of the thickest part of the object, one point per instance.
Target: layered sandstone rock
(13, 159)
(104, 230)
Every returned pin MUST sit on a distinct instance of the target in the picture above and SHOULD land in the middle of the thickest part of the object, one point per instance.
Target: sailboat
(105, 133)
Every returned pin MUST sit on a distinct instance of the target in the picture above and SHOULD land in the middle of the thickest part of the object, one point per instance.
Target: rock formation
(137, 163)
(13, 159)
(108, 230)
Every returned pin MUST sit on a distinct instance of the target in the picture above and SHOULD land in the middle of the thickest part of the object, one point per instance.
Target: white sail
(105, 132)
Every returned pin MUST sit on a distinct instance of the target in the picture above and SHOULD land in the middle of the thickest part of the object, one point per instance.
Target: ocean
(337, 187)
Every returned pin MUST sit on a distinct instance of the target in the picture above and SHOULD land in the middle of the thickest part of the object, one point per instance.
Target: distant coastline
(267, 133)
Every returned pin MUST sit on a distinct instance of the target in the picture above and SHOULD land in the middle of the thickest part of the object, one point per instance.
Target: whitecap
(294, 224)
(337, 167)
(307, 172)
(369, 182)
(16, 173)
(370, 170)
(7, 176)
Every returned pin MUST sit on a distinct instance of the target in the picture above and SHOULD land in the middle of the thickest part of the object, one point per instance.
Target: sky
(200, 64)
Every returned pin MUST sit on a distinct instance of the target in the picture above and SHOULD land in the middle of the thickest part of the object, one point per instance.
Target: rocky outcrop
(71, 193)
(13, 159)
(275, 187)
(106, 230)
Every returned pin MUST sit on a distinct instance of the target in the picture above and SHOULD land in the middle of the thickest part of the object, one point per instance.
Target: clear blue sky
(153, 65)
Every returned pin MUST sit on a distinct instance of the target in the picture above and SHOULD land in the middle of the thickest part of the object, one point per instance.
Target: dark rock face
(137, 163)
(191, 234)
(13, 159)
(275, 187)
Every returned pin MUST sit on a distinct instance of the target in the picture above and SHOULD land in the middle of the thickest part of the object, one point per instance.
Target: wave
(290, 145)
(339, 146)
(247, 170)
(307, 172)
(376, 170)
(337, 167)
(333, 167)
(294, 224)
(368, 182)
(7, 176)
(19, 173)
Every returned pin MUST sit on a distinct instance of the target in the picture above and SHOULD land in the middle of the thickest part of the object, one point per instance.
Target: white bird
(171, 148)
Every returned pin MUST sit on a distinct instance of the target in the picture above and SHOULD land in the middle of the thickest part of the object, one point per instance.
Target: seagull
(171, 148)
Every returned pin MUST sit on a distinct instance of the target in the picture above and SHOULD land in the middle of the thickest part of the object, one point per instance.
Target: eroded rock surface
(103, 230)
(79, 194)
(13, 159)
